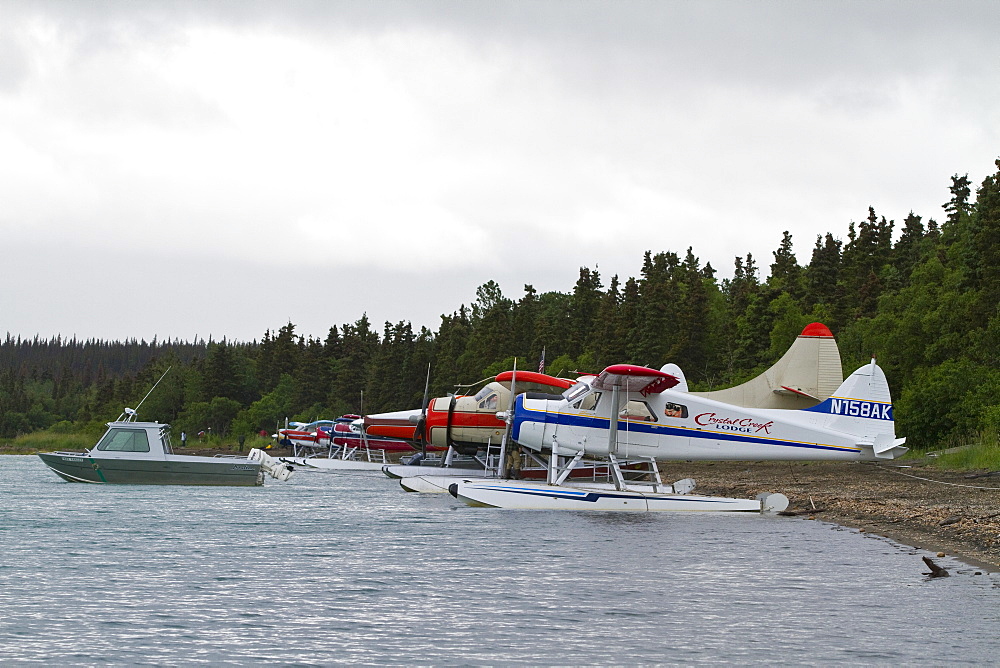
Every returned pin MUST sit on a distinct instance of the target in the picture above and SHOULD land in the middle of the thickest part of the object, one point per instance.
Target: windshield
(575, 392)
(124, 440)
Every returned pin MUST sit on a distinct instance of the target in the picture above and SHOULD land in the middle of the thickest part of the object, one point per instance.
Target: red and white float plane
(465, 423)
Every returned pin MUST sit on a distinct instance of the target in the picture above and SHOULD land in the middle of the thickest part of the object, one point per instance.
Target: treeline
(924, 303)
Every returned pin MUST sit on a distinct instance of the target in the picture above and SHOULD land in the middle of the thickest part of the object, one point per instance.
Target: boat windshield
(124, 440)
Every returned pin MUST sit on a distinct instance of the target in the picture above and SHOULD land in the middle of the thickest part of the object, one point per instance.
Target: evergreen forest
(920, 295)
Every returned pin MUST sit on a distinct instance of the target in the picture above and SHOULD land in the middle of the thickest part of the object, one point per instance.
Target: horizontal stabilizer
(796, 391)
(886, 446)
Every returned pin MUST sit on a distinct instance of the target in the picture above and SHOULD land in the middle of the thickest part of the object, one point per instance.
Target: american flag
(541, 362)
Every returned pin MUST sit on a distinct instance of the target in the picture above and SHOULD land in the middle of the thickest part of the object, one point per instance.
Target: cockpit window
(575, 392)
(490, 403)
(125, 440)
(672, 410)
(483, 393)
(637, 410)
(589, 402)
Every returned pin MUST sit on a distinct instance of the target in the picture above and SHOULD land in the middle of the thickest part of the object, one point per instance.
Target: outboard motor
(273, 467)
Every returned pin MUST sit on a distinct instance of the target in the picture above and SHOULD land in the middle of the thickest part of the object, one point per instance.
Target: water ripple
(349, 569)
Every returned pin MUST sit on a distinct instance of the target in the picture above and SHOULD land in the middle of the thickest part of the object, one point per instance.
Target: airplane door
(638, 429)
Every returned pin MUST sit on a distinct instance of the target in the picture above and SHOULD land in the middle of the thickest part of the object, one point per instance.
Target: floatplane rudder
(862, 406)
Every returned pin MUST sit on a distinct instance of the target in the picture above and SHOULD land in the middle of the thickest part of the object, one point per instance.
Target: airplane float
(633, 412)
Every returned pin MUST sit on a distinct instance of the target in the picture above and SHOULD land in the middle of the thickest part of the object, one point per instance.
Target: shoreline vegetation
(942, 504)
(920, 295)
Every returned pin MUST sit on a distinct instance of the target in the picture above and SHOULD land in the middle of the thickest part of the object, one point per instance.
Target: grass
(45, 441)
(220, 443)
(981, 454)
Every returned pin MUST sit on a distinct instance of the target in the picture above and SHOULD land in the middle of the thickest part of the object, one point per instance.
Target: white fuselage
(675, 425)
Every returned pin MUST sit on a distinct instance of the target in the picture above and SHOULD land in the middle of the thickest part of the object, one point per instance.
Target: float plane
(808, 372)
(464, 423)
(805, 375)
(637, 413)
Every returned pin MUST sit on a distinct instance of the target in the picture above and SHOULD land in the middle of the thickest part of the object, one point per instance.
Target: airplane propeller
(422, 420)
(509, 419)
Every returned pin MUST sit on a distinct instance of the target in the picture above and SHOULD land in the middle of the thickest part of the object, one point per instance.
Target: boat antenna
(132, 411)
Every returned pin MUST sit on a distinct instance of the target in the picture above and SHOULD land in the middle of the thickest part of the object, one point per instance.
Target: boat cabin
(135, 440)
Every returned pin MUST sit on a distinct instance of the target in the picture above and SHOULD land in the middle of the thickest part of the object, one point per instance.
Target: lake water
(347, 568)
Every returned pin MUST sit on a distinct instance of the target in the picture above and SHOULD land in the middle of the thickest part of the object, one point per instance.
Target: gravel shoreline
(955, 512)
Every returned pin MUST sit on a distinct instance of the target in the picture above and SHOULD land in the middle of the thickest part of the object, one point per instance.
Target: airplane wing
(631, 378)
(396, 424)
(534, 377)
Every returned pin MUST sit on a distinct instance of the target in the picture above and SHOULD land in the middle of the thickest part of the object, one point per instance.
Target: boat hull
(181, 471)
(520, 495)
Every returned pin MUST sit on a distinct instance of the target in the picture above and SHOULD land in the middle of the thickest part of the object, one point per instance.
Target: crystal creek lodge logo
(740, 425)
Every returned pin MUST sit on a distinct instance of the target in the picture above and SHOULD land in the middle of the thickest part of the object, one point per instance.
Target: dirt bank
(941, 511)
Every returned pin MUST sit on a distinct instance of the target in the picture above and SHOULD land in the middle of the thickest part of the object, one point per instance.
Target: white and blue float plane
(656, 419)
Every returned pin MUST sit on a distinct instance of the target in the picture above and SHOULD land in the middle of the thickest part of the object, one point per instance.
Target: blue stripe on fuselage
(524, 414)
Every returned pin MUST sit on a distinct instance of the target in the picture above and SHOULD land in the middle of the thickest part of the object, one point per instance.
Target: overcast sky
(179, 169)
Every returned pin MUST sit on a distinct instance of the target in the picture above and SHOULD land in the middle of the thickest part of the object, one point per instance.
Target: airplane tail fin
(862, 406)
(807, 374)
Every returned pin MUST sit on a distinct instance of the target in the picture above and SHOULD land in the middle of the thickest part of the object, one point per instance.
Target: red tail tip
(817, 329)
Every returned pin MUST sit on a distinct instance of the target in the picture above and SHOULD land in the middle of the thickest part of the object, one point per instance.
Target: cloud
(436, 145)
